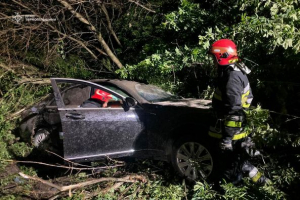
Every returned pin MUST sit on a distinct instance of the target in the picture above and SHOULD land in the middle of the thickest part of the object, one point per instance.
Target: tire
(192, 158)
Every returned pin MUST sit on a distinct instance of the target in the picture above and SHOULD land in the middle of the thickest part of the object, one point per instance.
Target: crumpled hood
(195, 103)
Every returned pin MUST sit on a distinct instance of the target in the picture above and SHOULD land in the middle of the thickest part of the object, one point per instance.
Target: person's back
(92, 103)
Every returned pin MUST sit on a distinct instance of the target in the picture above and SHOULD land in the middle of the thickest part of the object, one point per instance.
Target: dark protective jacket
(232, 95)
(233, 91)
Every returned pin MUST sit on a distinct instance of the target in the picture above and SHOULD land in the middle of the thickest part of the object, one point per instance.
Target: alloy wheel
(194, 160)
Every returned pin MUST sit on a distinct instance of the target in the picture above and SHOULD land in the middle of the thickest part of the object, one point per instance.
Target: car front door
(92, 133)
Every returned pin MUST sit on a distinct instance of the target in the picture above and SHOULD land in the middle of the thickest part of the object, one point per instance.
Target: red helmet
(224, 51)
(101, 95)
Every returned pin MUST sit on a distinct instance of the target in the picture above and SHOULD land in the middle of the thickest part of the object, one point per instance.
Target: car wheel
(192, 159)
(41, 139)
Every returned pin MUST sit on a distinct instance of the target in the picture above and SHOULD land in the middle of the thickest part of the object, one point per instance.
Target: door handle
(74, 116)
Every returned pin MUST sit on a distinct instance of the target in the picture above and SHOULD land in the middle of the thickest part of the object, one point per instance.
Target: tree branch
(36, 81)
(6, 67)
(59, 32)
(66, 167)
(93, 28)
(109, 24)
(127, 179)
(140, 5)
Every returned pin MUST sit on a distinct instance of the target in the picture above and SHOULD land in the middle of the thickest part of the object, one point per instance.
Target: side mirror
(131, 102)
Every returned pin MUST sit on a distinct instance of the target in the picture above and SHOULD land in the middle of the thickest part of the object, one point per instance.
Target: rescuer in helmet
(232, 95)
(99, 99)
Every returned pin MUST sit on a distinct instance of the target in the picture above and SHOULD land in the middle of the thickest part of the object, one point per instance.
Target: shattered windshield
(154, 94)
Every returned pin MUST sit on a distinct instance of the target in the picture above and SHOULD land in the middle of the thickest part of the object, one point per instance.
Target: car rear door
(91, 133)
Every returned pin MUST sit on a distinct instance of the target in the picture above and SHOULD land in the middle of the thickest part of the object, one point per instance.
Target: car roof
(128, 86)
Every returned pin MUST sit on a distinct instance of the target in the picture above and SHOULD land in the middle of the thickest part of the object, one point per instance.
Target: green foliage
(208, 93)
(28, 170)
(164, 67)
(265, 135)
(160, 190)
(276, 20)
(71, 66)
(233, 192)
(204, 191)
(21, 149)
(265, 32)
(284, 176)
(8, 197)
(187, 18)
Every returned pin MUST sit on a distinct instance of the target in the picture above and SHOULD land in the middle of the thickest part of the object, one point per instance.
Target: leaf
(178, 52)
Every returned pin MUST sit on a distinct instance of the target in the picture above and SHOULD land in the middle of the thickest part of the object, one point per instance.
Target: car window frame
(57, 93)
(65, 90)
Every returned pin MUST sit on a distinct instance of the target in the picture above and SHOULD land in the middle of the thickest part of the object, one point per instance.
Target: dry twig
(139, 4)
(65, 167)
(127, 179)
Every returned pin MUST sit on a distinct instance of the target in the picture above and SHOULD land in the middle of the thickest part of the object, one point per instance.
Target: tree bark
(109, 24)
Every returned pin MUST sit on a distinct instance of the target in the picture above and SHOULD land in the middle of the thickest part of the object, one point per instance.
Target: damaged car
(140, 121)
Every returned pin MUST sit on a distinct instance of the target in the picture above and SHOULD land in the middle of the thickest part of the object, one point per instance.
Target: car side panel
(102, 132)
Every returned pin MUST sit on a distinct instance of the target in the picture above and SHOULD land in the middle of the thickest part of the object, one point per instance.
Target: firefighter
(98, 100)
(232, 95)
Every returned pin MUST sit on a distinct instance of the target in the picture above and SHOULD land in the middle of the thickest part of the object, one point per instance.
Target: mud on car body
(141, 121)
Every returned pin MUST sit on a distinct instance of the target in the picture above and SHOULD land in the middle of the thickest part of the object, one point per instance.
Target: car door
(92, 133)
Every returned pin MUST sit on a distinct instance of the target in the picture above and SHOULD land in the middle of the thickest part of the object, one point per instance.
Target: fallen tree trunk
(36, 81)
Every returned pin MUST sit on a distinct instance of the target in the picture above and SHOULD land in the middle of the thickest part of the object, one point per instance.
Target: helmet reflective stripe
(101, 95)
(223, 50)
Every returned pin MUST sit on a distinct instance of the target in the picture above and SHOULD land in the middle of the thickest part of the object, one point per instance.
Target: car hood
(195, 103)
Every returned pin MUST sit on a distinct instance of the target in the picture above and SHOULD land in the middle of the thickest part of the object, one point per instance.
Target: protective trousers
(235, 149)
(235, 163)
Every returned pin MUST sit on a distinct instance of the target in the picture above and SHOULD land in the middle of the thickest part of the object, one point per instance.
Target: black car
(142, 121)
